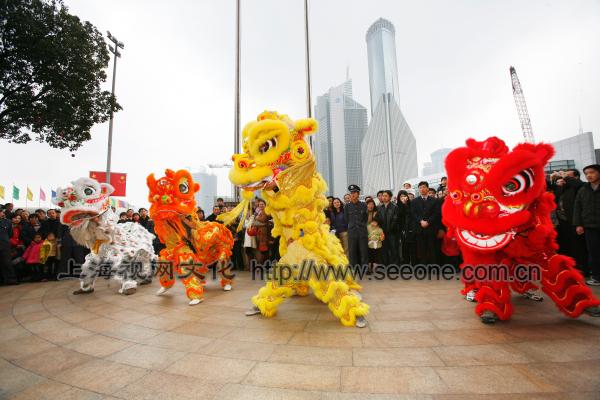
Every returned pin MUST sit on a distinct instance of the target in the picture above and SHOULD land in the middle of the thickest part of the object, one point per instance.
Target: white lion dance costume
(122, 250)
(278, 160)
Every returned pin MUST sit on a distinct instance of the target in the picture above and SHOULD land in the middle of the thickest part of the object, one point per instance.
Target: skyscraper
(389, 148)
(383, 67)
(342, 126)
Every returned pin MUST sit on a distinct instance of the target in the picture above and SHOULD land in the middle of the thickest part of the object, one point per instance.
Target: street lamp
(115, 51)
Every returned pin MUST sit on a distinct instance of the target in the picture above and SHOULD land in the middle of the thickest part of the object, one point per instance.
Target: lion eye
(518, 183)
(183, 188)
(88, 191)
(268, 145)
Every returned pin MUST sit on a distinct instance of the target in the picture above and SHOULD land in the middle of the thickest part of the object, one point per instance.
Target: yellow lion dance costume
(278, 161)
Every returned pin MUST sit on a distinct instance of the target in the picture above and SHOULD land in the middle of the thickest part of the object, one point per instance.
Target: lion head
(84, 200)
(492, 190)
(271, 144)
(172, 195)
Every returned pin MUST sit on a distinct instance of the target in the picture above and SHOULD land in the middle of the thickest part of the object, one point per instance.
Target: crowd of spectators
(388, 228)
(577, 218)
(383, 229)
(35, 246)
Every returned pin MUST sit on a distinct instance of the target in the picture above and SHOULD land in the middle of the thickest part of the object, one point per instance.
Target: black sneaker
(488, 317)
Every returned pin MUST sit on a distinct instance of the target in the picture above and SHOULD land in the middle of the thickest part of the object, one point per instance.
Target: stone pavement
(423, 342)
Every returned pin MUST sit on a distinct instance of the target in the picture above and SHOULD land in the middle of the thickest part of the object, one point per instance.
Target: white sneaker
(253, 311)
(193, 302)
(533, 295)
(471, 295)
(162, 290)
(227, 287)
(593, 282)
(361, 322)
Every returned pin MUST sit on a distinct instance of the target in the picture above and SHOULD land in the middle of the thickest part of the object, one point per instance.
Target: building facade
(383, 67)
(342, 126)
(389, 149)
(579, 149)
(205, 198)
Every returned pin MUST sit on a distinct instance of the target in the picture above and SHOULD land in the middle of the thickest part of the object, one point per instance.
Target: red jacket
(32, 254)
(15, 239)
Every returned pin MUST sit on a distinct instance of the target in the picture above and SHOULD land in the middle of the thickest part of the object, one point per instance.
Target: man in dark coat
(51, 224)
(426, 213)
(31, 227)
(9, 277)
(565, 187)
(388, 215)
(586, 218)
(356, 215)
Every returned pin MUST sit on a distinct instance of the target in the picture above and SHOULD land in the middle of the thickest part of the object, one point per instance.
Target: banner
(42, 195)
(2, 192)
(118, 180)
(29, 194)
(15, 192)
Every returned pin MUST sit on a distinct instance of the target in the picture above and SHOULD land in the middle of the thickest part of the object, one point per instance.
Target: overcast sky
(175, 79)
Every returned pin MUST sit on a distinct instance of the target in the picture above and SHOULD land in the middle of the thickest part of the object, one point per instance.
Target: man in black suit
(388, 215)
(426, 212)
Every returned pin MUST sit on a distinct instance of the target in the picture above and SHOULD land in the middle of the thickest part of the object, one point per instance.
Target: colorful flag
(118, 180)
(42, 195)
(53, 193)
(121, 204)
(15, 192)
(2, 192)
(29, 194)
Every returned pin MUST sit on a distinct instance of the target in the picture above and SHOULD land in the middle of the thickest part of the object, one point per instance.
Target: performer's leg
(165, 271)
(565, 285)
(270, 296)
(89, 273)
(225, 270)
(123, 270)
(493, 302)
(343, 302)
(194, 288)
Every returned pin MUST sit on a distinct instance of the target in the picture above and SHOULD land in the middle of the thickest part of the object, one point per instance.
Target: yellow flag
(29, 194)
(2, 192)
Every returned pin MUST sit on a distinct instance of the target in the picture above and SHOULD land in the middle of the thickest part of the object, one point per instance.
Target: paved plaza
(423, 342)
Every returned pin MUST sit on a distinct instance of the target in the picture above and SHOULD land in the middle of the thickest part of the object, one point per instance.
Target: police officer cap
(353, 188)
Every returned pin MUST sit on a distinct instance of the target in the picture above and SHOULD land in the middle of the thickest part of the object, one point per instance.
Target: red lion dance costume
(498, 212)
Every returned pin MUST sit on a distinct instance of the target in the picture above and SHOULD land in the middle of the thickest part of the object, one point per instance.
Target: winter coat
(587, 207)
(48, 249)
(389, 218)
(565, 198)
(32, 254)
(338, 222)
(15, 239)
(376, 236)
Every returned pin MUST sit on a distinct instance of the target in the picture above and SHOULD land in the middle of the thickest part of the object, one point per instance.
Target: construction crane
(521, 106)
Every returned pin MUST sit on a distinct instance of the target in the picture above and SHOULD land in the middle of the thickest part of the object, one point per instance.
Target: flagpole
(307, 66)
(236, 108)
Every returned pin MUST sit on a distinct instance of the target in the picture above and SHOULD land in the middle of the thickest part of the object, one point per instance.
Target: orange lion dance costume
(498, 212)
(191, 245)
